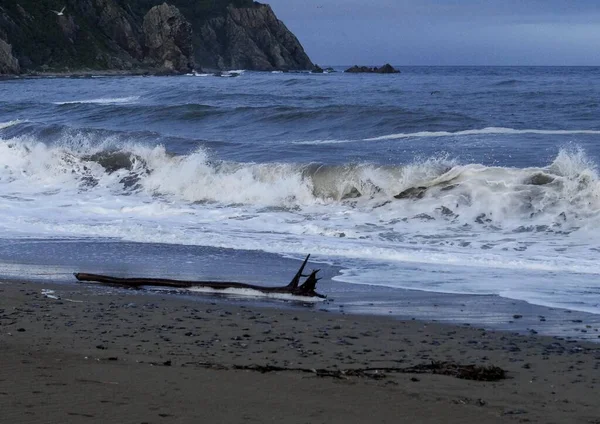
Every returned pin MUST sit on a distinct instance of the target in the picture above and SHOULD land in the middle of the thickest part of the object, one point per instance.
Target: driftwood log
(307, 289)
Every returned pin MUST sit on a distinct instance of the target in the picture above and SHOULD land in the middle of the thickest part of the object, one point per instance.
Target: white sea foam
(103, 101)
(197, 74)
(256, 293)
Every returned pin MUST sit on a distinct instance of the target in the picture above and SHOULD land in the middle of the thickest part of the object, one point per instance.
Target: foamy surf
(255, 293)
(564, 194)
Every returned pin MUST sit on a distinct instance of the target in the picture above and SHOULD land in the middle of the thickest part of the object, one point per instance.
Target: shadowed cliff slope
(136, 35)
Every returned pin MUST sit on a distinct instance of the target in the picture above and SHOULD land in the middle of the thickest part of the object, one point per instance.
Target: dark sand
(126, 358)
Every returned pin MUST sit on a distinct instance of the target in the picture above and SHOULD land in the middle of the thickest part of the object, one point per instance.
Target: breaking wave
(567, 190)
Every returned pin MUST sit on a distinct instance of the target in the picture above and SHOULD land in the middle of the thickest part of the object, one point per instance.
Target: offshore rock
(168, 39)
(385, 69)
(249, 38)
(412, 193)
(8, 63)
(539, 179)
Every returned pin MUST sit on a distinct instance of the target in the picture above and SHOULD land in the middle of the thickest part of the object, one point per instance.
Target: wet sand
(86, 356)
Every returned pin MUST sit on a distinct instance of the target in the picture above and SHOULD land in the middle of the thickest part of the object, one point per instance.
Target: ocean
(458, 180)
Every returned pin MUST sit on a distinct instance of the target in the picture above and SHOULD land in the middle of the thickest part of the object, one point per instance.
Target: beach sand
(78, 354)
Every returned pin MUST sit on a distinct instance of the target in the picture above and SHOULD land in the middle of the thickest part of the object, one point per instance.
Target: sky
(445, 32)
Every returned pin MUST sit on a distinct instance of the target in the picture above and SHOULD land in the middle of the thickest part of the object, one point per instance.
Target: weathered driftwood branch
(308, 288)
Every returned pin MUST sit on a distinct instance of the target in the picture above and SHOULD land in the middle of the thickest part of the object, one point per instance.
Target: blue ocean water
(159, 173)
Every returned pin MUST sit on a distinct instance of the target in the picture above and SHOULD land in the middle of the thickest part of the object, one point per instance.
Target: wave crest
(568, 189)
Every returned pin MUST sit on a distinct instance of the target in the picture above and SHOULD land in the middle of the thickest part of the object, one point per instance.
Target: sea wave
(437, 188)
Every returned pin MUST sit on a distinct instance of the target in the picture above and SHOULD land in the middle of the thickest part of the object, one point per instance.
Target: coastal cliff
(249, 38)
(168, 39)
(144, 36)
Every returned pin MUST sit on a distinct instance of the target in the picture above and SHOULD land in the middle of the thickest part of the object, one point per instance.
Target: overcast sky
(445, 32)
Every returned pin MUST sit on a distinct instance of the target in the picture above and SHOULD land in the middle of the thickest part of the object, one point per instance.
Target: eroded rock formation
(168, 39)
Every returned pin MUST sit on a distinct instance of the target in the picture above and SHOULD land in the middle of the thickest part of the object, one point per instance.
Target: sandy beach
(73, 354)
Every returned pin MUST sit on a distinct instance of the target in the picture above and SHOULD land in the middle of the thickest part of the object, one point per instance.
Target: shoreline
(130, 73)
(90, 74)
(489, 311)
(111, 355)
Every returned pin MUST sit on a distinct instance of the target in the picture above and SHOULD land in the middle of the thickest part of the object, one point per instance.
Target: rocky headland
(138, 36)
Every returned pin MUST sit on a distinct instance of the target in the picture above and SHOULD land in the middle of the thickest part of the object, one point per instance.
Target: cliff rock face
(90, 34)
(8, 63)
(168, 39)
(118, 25)
(249, 38)
(144, 35)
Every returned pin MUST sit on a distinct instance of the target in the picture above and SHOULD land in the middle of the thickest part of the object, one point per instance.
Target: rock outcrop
(249, 38)
(145, 36)
(168, 39)
(385, 69)
(8, 63)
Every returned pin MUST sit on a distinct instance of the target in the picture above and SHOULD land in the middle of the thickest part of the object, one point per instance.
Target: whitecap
(483, 131)
(102, 101)
(8, 124)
